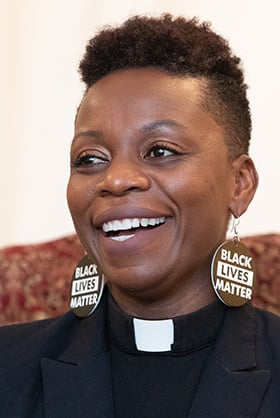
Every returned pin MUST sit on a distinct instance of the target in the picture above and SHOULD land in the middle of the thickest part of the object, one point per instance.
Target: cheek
(188, 190)
(214, 206)
(78, 196)
(72, 196)
(201, 199)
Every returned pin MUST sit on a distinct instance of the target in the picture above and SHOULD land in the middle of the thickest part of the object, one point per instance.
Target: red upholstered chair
(35, 279)
(266, 251)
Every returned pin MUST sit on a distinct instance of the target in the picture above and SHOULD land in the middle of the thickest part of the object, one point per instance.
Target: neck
(155, 307)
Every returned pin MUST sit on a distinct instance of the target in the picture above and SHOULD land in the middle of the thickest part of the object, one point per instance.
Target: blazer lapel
(78, 383)
(231, 385)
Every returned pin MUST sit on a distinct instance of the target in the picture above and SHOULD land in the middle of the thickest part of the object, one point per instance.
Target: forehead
(134, 79)
(132, 98)
(145, 86)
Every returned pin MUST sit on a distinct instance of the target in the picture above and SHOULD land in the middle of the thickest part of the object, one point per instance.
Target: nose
(122, 177)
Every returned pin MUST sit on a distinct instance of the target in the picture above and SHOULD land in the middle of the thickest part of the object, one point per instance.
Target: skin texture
(145, 147)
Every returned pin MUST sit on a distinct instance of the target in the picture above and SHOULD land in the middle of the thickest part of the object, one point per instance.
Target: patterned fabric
(35, 279)
(266, 252)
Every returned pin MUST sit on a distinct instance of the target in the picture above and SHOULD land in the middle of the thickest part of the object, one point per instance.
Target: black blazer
(60, 368)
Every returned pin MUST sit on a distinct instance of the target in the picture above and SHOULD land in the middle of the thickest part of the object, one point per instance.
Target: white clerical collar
(152, 335)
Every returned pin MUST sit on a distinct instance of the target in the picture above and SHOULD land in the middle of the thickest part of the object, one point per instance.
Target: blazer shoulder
(268, 322)
(38, 336)
(268, 338)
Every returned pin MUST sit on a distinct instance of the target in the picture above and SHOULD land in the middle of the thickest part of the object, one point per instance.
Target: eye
(160, 151)
(89, 159)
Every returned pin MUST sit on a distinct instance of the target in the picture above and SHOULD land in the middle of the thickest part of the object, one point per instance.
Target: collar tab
(152, 335)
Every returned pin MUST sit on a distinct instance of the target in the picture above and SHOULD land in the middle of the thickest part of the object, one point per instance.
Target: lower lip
(136, 242)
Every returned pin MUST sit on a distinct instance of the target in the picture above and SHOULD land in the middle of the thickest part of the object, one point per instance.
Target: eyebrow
(149, 127)
(91, 134)
(163, 123)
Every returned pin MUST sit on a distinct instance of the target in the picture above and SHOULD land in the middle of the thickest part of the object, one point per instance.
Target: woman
(159, 165)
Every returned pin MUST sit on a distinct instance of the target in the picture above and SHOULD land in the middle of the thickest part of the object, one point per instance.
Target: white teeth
(127, 223)
(122, 237)
(135, 223)
(144, 222)
(117, 225)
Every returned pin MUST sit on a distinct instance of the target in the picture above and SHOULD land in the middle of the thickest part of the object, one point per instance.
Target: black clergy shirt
(160, 384)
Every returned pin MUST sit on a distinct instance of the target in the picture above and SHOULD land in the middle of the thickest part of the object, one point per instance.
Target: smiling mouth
(124, 229)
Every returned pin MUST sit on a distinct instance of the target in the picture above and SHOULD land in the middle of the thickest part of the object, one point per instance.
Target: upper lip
(122, 213)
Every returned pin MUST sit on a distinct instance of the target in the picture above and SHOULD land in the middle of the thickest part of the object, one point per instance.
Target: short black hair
(178, 46)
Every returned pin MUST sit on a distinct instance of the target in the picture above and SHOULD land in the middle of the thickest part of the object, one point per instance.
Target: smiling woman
(163, 157)
(159, 165)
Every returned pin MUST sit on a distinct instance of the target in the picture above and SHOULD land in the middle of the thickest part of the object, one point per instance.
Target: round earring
(233, 271)
(86, 287)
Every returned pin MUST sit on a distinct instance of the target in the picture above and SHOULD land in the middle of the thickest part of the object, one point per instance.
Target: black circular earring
(86, 287)
(233, 271)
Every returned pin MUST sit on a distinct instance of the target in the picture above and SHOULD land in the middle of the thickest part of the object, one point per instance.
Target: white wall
(41, 43)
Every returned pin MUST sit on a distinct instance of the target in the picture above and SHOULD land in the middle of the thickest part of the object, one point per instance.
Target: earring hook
(235, 223)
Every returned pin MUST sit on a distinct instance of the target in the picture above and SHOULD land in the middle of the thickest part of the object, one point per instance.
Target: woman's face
(150, 184)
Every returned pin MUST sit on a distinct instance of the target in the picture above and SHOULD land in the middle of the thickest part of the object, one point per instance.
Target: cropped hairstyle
(181, 47)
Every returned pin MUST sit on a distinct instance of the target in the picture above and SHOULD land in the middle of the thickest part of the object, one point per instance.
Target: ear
(245, 178)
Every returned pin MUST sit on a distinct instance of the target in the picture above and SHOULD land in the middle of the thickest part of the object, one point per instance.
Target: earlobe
(245, 184)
